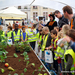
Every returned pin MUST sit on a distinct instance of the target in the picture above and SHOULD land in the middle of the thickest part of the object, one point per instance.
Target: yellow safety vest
(9, 34)
(3, 36)
(33, 37)
(70, 52)
(17, 36)
(22, 35)
(44, 42)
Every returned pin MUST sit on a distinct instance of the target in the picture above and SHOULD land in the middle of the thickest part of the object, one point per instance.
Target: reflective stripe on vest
(22, 35)
(70, 52)
(33, 37)
(17, 36)
(44, 42)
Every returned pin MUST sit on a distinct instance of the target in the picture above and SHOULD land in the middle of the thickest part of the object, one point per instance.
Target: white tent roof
(55, 4)
(12, 12)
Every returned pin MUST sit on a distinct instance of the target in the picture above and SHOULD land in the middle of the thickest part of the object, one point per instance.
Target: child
(9, 32)
(57, 29)
(69, 55)
(63, 45)
(23, 35)
(53, 47)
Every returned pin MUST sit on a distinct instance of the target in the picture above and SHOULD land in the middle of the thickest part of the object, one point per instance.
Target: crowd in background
(57, 37)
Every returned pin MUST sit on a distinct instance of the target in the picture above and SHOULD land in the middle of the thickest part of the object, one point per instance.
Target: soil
(19, 66)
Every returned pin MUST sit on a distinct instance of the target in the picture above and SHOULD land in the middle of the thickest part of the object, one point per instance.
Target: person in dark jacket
(52, 23)
(62, 20)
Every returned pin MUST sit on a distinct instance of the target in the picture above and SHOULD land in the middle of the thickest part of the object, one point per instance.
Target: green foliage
(25, 70)
(15, 74)
(27, 63)
(22, 73)
(39, 69)
(2, 70)
(25, 56)
(19, 60)
(33, 64)
(15, 55)
(45, 73)
(40, 74)
(9, 74)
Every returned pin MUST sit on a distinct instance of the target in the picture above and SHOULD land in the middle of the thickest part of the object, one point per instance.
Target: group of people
(59, 38)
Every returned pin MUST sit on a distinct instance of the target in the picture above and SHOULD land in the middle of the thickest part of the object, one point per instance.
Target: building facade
(34, 11)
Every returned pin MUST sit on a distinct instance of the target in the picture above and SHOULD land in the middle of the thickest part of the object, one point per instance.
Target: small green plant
(19, 60)
(22, 73)
(27, 63)
(25, 56)
(2, 70)
(25, 70)
(15, 74)
(15, 55)
(39, 69)
(45, 73)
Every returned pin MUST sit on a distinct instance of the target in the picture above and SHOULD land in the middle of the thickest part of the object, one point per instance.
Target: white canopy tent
(54, 4)
(12, 13)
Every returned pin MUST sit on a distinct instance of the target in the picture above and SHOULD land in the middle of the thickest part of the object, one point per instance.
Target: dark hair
(10, 27)
(57, 11)
(52, 16)
(67, 9)
(54, 32)
(71, 33)
(16, 24)
(34, 25)
(23, 27)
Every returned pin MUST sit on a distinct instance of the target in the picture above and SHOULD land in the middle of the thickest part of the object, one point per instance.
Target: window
(34, 7)
(45, 14)
(45, 8)
(35, 14)
(25, 7)
(19, 7)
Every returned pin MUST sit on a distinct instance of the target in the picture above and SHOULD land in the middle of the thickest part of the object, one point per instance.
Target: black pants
(32, 44)
(55, 63)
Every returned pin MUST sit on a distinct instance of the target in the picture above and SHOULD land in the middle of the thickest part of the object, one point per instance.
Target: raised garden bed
(18, 64)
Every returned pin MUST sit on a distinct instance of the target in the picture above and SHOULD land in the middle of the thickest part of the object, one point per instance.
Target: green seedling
(45, 73)
(19, 60)
(27, 63)
(15, 74)
(22, 73)
(2, 70)
(40, 74)
(15, 55)
(39, 69)
(25, 70)
(25, 56)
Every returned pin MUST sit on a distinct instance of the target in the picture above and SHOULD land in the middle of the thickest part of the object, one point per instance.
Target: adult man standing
(16, 34)
(68, 13)
(62, 21)
(32, 38)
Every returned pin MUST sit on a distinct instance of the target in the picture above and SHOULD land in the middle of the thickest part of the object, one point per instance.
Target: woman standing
(52, 23)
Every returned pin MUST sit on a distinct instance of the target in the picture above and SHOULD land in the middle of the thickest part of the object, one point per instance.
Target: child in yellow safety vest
(9, 32)
(53, 47)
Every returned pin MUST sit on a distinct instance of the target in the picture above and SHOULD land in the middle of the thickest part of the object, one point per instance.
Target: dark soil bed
(19, 66)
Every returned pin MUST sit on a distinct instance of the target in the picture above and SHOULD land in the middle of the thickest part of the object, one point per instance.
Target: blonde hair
(65, 29)
(46, 28)
(60, 35)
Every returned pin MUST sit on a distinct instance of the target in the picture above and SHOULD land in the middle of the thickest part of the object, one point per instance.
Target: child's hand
(58, 57)
(61, 45)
